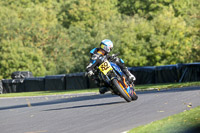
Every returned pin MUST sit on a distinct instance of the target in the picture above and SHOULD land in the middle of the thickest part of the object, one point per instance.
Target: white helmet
(106, 45)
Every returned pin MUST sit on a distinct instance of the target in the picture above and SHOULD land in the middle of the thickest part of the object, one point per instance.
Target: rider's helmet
(106, 45)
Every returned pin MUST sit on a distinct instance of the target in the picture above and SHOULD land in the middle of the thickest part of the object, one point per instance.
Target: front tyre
(134, 96)
(121, 90)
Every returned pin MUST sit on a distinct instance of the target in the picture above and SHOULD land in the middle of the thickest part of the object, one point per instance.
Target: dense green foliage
(55, 36)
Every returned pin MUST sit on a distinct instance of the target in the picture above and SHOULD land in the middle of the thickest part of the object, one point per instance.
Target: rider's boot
(103, 90)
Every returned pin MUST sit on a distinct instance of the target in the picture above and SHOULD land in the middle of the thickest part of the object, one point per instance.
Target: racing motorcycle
(111, 74)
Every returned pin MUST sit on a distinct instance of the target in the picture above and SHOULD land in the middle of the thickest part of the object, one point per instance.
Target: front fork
(129, 88)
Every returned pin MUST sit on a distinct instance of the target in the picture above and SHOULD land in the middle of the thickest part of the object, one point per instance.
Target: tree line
(55, 36)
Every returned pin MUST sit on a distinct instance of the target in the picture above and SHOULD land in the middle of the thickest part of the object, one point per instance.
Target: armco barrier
(76, 81)
(144, 75)
(8, 86)
(21, 74)
(166, 74)
(13, 85)
(1, 87)
(189, 72)
(55, 82)
(91, 83)
(34, 84)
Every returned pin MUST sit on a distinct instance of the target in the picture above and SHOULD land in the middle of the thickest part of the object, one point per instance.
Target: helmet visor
(105, 48)
(102, 46)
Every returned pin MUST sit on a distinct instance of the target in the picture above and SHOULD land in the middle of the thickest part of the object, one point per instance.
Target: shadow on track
(59, 101)
(83, 106)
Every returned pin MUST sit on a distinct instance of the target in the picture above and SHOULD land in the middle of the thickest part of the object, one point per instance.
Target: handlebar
(115, 55)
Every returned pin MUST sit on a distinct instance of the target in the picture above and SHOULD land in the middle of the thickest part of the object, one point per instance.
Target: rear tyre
(121, 90)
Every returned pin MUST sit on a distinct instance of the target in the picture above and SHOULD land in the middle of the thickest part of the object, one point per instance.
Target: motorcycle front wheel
(121, 90)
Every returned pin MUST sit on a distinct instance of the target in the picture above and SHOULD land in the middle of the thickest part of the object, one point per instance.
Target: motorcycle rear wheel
(121, 90)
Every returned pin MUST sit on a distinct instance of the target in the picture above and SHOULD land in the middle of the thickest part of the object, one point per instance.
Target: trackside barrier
(144, 75)
(76, 81)
(13, 85)
(55, 82)
(1, 87)
(189, 72)
(34, 84)
(166, 74)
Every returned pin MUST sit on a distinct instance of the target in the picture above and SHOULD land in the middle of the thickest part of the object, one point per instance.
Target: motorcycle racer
(97, 55)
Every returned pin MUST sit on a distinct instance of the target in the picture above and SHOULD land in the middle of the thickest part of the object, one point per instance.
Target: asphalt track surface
(92, 113)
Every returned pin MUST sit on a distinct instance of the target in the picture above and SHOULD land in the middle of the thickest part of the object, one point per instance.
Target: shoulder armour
(93, 51)
(122, 61)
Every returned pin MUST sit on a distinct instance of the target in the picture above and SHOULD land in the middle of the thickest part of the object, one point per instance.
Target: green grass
(95, 90)
(167, 86)
(178, 123)
(43, 93)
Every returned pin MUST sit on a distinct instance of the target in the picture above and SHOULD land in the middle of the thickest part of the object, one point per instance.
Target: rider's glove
(132, 78)
(114, 57)
(90, 73)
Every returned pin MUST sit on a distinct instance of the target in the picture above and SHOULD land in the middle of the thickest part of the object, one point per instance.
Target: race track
(92, 113)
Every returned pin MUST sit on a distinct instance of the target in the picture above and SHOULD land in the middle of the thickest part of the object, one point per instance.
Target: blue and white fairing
(117, 68)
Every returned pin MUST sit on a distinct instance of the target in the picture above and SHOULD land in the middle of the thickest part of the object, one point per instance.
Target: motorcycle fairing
(119, 71)
(117, 68)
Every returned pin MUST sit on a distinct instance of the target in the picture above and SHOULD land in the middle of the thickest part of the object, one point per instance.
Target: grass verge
(167, 86)
(43, 93)
(95, 90)
(185, 122)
